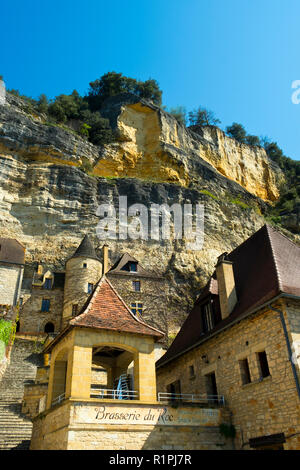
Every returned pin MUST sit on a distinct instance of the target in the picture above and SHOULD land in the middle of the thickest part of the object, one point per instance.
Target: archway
(115, 370)
(59, 377)
(49, 327)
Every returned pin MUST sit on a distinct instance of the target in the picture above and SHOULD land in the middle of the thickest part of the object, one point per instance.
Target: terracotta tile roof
(119, 268)
(107, 310)
(265, 265)
(11, 251)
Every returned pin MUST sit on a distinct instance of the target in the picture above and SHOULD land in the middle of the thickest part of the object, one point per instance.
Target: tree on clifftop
(237, 131)
(113, 83)
(203, 117)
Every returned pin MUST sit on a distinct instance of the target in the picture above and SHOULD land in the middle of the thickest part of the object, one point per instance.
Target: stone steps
(15, 428)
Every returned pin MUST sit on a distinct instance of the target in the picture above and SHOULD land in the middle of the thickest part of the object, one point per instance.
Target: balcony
(207, 400)
(113, 394)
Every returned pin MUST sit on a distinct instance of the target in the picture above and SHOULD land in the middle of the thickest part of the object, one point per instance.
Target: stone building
(12, 259)
(50, 299)
(122, 413)
(145, 292)
(241, 340)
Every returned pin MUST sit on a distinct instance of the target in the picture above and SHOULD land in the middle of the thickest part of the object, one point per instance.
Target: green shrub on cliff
(113, 83)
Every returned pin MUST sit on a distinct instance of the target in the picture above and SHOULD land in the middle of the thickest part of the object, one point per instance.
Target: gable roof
(266, 265)
(107, 310)
(85, 249)
(11, 251)
(118, 268)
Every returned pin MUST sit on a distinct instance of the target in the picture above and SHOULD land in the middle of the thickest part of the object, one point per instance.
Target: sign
(107, 413)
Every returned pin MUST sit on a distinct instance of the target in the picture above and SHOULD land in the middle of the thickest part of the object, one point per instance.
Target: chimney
(105, 258)
(226, 285)
(39, 268)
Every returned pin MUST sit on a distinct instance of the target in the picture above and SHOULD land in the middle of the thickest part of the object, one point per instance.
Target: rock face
(153, 145)
(49, 203)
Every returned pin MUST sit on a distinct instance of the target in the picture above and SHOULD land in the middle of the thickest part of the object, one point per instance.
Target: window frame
(207, 316)
(134, 283)
(245, 371)
(48, 303)
(263, 364)
(137, 308)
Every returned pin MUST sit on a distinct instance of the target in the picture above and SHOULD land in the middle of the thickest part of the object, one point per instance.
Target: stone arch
(117, 359)
(60, 365)
(49, 327)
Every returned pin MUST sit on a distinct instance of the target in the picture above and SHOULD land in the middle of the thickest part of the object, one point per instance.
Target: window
(74, 309)
(45, 305)
(84, 265)
(133, 267)
(207, 317)
(48, 283)
(211, 387)
(137, 308)
(90, 288)
(192, 371)
(245, 371)
(174, 388)
(263, 364)
(136, 286)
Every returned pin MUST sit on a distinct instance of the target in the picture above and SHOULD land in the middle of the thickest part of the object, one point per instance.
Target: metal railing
(105, 393)
(191, 397)
(58, 399)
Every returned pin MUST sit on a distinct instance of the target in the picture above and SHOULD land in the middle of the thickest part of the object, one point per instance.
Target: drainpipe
(288, 347)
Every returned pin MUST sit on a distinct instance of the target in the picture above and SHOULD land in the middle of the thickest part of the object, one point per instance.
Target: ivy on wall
(6, 330)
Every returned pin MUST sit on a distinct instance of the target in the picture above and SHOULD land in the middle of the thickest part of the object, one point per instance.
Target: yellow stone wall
(71, 362)
(262, 407)
(83, 425)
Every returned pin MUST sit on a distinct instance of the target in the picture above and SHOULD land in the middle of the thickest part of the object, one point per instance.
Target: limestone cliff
(48, 202)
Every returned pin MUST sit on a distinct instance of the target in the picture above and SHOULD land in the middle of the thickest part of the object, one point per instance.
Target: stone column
(144, 376)
(79, 373)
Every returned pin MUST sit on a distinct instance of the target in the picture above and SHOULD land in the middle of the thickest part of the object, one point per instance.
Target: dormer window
(133, 267)
(48, 283)
(207, 317)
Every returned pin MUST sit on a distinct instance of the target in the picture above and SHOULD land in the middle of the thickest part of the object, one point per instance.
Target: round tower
(83, 271)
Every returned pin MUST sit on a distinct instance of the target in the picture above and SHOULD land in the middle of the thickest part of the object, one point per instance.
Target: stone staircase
(15, 428)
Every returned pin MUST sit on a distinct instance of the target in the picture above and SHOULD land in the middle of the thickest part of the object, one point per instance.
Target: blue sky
(235, 57)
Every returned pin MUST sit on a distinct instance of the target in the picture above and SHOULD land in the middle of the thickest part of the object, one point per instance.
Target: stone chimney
(39, 268)
(226, 285)
(105, 258)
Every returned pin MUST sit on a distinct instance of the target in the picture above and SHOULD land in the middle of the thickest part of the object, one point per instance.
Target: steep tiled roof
(265, 265)
(119, 268)
(107, 310)
(11, 251)
(85, 249)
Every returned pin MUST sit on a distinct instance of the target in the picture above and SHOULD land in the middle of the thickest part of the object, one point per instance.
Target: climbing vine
(6, 328)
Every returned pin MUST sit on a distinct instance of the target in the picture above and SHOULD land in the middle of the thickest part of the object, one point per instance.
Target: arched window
(49, 328)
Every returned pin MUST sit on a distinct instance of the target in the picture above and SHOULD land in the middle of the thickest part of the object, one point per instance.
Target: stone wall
(10, 283)
(264, 406)
(153, 296)
(101, 425)
(32, 319)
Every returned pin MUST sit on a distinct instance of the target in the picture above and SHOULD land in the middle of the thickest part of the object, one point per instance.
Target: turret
(83, 271)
